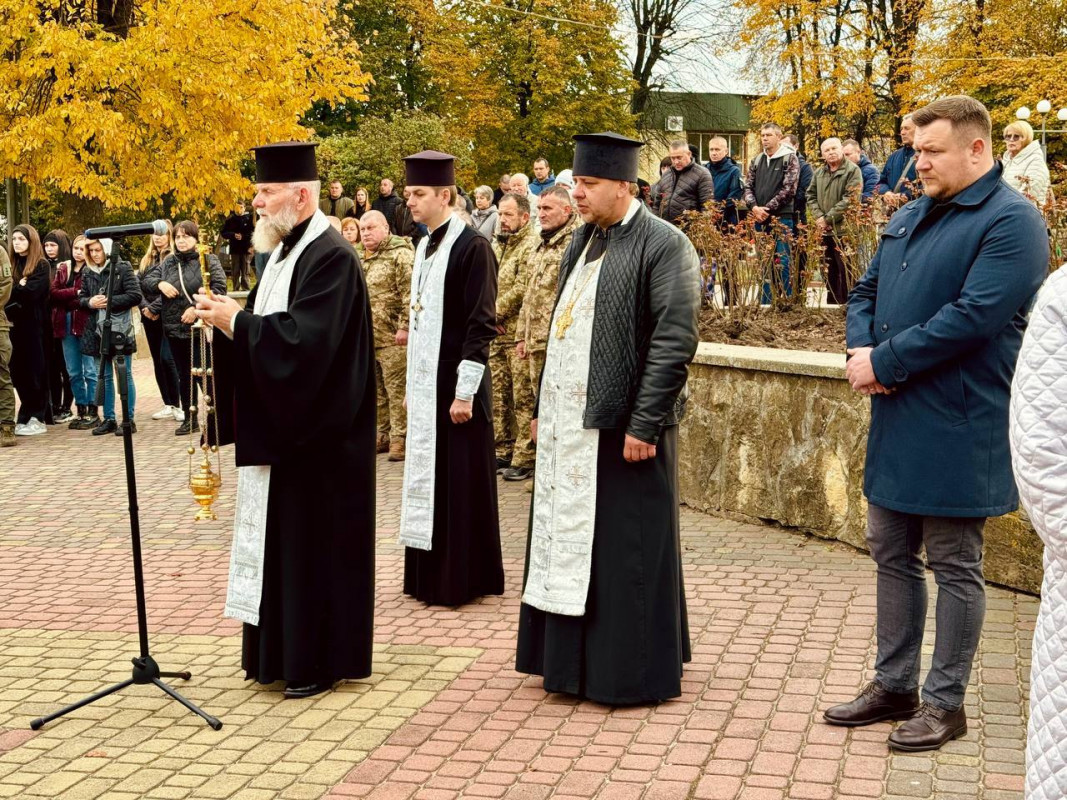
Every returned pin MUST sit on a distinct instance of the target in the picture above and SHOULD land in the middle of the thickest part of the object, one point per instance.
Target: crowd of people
(785, 196)
(53, 303)
(476, 320)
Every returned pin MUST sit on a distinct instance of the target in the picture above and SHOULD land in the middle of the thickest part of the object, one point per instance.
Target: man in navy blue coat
(934, 329)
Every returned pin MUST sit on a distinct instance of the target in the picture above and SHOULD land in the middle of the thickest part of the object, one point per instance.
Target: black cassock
(465, 561)
(630, 645)
(303, 401)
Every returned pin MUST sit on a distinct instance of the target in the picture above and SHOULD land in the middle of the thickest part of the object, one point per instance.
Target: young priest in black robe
(448, 518)
(603, 613)
(302, 417)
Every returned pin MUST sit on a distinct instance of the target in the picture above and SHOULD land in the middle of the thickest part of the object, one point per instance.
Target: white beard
(270, 231)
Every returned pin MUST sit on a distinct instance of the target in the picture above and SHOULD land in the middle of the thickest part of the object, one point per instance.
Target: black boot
(189, 426)
(73, 425)
(89, 421)
(107, 426)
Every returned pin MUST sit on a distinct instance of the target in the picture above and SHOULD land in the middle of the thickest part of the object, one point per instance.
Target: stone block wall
(779, 435)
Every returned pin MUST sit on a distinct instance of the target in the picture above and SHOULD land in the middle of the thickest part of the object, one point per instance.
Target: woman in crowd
(350, 230)
(27, 311)
(178, 282)
(1024, 163)
(483, 218)
(68, 325)
(125, 297)
(362, 204)
(159, 248)
(57, 250)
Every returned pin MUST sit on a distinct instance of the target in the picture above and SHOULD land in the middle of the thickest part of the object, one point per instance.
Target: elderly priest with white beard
(302, 418)
(603, 606)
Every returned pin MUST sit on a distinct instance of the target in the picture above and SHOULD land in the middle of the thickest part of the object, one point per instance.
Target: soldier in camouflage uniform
(7, 391)
(387, 262)
(558, 223)
(512, 392)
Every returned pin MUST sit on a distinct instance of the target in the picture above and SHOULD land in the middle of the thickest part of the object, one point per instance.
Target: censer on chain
(204, 480)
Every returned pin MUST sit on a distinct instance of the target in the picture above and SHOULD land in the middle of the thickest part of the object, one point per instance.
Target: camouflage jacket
(388, 274)
(514, 254)
(535, 317)
(7, 278)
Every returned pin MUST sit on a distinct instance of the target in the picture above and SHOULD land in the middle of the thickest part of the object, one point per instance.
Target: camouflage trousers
(7, 390)
(390, 368)
(536, 360)
(512, 404)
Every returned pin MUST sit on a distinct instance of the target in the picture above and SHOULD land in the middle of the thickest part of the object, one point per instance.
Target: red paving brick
(782, 627)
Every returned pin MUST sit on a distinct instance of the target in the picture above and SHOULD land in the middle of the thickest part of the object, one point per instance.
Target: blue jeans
(781, 276)
(109, 388)
(81, 369)
(954, 553)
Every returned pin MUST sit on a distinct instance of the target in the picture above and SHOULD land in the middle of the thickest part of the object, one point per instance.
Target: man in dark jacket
(934, 329)
(603, 613)
(898, 174)
(387, 202)
(687, 186)
(854, 153)
(237, 231)
(770, 194)
(726, 177)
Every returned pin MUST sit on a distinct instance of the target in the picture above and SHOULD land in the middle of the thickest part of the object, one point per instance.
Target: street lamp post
(1043, 108)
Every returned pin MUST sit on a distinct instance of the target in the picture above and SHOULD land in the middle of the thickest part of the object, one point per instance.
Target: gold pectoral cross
(566, 319)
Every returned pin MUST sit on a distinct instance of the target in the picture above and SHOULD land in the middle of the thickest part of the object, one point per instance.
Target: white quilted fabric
(1039, 457)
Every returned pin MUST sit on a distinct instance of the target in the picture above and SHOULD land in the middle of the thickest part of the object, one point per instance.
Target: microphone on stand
(156, 228)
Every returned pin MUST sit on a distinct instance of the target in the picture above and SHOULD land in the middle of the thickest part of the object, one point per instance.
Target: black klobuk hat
(606, 155)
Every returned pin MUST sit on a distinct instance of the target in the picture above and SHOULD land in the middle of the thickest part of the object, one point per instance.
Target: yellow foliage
(171, 107)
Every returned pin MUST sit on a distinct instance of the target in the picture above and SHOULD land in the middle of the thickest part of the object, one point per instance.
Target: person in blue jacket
(896, 183)
(854, 153)
(934, 329)
(726, 174)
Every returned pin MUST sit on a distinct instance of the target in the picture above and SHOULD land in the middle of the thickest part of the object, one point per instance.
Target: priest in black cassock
(603, 607)
(302, 416)
(448, 518)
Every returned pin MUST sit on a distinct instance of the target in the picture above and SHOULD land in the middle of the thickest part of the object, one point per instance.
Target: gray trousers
(954, 553)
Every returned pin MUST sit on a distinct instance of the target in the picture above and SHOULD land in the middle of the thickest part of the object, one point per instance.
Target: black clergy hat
(286, 162)
(430, 168)
(606, 155)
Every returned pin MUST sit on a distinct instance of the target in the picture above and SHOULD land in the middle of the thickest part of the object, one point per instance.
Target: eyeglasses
(1011, 137)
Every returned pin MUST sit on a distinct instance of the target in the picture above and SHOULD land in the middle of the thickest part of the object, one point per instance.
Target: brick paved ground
(782, 627)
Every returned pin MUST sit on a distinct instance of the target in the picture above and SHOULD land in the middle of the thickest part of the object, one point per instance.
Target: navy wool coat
(944, 304)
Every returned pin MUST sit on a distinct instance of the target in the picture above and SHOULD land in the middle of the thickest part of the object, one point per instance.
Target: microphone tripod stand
(116, 347)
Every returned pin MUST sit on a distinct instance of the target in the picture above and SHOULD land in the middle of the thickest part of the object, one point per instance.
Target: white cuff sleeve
(468, 379)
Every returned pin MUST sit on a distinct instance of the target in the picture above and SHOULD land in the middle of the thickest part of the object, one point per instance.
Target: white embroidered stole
(424, 350)
(245, 589)
(564, 513)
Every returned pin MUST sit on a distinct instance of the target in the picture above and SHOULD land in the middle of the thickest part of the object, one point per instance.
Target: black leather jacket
(645, 330)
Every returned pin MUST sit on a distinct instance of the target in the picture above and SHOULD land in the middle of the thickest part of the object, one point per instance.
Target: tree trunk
(79, 213)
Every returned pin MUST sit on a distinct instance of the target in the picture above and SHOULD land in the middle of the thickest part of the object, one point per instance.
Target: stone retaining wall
(779, 435)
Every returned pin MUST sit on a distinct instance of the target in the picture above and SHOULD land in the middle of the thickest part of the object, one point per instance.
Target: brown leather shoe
(383, 443)
(930, 728)
(396, 448)
(874, 704)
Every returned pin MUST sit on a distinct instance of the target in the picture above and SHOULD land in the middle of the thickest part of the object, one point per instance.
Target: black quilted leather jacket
(645, 330)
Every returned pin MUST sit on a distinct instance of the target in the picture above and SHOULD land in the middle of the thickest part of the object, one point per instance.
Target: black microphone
(156, 228)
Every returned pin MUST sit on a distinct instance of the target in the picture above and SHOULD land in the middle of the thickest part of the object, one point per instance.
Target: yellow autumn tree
(835, 67)
(121, 104)
(521, 77)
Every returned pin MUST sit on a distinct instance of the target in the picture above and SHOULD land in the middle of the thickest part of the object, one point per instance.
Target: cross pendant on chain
(565, 321)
